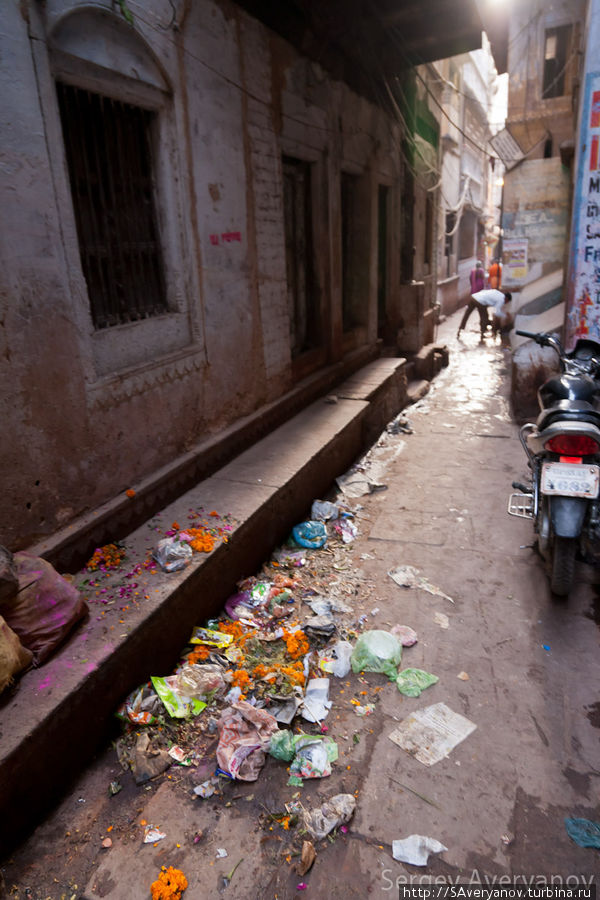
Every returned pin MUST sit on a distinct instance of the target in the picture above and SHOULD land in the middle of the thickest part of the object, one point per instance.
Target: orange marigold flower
(170, 884)
(130, 493)
(198, 655)
(175, 526)
(296, 643)
(215, 513)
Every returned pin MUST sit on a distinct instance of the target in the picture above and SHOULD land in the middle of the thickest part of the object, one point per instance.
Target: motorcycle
(563, 451)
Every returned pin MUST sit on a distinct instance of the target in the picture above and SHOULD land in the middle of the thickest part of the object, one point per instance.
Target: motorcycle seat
(571, 411)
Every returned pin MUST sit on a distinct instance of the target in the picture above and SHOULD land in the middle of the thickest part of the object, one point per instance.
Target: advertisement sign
(514, 261)
(583, 316)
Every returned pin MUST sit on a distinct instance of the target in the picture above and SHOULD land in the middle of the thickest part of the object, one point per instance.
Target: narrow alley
(516, 664)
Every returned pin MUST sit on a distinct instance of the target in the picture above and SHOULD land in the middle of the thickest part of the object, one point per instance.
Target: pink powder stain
(90, 667)
(45, 683)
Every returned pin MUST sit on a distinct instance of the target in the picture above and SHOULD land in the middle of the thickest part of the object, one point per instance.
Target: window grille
(109, 158)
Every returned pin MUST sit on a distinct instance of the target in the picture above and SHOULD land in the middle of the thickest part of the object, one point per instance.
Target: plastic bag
(335, 660)
(13, 656)
(584, 832)
(331, 814)
(210, 637)
(141, 706)
(407, 636)
(172, 554)
(244, 734)
(411, 682)
(377, 651)
(203, 682)
(178, 705)
(313, 759)
(45, 609)
(312, 535)
(322, 510)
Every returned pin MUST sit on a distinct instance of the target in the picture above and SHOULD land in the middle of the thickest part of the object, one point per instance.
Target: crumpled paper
(408, 576)
(333, 812)
(415, 849)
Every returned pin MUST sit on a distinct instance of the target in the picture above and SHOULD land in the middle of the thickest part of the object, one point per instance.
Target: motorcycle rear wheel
(563, 565)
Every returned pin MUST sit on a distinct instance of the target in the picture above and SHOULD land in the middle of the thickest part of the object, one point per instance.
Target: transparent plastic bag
(172, 555)
(377, 651)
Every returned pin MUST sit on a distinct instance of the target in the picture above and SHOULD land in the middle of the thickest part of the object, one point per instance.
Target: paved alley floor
(520, 666)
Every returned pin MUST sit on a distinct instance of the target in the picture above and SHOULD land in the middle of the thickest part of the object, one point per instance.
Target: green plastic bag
(177, 705)
(411, 682)
(282, 745)
(377, 651)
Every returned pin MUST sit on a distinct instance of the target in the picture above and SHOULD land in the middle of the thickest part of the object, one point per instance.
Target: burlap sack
(13, 656)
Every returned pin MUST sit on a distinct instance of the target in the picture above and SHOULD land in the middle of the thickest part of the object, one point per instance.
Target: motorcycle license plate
(570, 480)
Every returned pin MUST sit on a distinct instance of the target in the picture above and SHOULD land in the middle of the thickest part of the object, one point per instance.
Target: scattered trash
(336, 811)
(325, 606)
(226, 879)
(314, 755)
(357, 484)
(546, 647)
(364, 709)
(201, 682)
(244, 734)
(583, 832)
(289, 558)
(431, 733)
(463, 676)
(309, 854)
(210, 637)
(221, 853)
(153, 834)
(114, 788)
(507, 838)
(411, 682)
(285, 710)
(141, 707)
(409, 577)
(441, 619)
(171, 554)
(149, 759)
(303, 886)
(374, 612)
(377, 651)
(310, 755)
(322, 510)
(180, 756)
(399, 425)
(320, 625)
(312, 535)
(407, 636)
(316, 703)
(170, 884)
(335, 660)
(106, 843)
(346, 529)
(415, 849)
(205, 790)
(177, 704)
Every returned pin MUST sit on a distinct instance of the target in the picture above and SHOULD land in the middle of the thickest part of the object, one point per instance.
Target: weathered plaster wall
(85, 413)
(536, 205)
(531, 118)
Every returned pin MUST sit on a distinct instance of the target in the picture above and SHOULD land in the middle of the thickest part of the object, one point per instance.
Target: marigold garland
(170, 884)
(108, 557)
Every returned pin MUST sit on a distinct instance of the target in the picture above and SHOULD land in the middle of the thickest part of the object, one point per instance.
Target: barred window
(109, 158)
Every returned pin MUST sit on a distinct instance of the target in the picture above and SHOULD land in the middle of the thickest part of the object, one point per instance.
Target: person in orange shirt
(495, 274)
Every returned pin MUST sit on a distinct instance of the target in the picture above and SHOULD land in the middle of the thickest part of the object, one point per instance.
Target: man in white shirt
(481, 301)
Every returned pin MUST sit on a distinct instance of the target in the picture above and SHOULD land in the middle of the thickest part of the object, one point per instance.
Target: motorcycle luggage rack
(521, 505)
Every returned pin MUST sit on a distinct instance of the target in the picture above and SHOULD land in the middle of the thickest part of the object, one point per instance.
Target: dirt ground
(519, 666)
